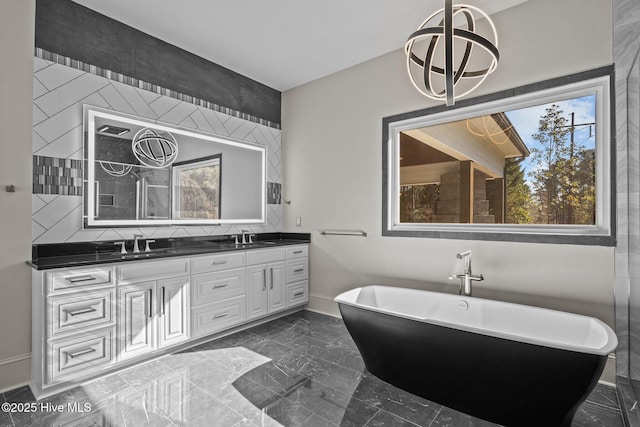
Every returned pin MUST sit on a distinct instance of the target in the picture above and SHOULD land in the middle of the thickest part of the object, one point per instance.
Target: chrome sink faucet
(136, 248)
(467, 277)
(245, 234)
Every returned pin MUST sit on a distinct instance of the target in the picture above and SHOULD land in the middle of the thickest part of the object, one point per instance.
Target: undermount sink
(146, 254)
(218, 244)
(227, 244)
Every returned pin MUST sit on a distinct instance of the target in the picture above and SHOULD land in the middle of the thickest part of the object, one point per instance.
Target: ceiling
(281, 43)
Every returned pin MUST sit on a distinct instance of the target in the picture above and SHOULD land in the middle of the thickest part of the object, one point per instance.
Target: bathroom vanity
(96, 312)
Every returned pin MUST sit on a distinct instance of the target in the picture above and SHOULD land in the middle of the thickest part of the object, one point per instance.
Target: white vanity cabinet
(74, 324)
(266, 291)
(152, 314)
(277, 279)
(136, 326)
(297, 275)
(218, 293)
(91, 320)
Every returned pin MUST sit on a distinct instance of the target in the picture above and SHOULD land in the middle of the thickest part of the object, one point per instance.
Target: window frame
(599, 81)
(178, 167)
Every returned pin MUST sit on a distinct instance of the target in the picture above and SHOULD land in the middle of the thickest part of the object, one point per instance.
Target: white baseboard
(15, 372)
(323, 305)
(15, 359)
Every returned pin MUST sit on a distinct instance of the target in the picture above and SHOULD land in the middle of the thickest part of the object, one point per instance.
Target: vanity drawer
(301, 251)
(225, 261)
(297, 293)
(80, 356)
(149, 270)
(70, 280)
(74, 312)
(215, 317)
(297, 269)
(263, 256)
(212, 287)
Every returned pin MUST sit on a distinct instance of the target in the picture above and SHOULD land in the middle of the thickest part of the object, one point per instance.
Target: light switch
(298, 221)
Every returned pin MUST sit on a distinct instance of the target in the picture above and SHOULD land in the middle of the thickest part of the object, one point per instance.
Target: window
(196, 188)
(531, 164)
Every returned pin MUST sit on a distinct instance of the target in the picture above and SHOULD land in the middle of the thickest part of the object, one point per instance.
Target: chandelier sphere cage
(488, 129)
(154, 149)
(115, 169)
(434, 68)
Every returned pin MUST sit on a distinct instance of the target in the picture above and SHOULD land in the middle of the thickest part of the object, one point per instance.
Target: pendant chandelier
(154, 148)
(441, 49)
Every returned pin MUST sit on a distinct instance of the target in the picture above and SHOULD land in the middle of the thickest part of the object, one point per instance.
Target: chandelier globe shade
(154, 149)
(447, 44)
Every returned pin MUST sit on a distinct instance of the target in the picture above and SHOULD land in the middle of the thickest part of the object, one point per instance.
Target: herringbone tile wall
(59, 94)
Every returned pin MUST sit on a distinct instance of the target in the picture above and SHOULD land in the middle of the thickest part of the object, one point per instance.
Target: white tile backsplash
(55, 75)
(139, 105)
(61, 93)
(116, 101)
(178, 113)
(163, 104)
(66, 146)
(70, 93)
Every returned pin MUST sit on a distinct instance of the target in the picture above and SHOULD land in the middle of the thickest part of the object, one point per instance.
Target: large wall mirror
(144, 173)
(530, 164)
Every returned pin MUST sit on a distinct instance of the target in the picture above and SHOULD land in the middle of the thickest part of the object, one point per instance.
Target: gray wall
(16, 87)
(332, 138)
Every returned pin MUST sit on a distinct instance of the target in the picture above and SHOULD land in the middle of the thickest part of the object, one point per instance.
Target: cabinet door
(173, 313)
(277, 289)
(257, 291)
(135, 319)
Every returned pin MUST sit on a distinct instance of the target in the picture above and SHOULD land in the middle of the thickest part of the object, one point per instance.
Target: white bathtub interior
(516, 322)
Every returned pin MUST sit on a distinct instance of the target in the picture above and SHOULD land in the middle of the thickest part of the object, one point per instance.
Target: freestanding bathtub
(506, 363)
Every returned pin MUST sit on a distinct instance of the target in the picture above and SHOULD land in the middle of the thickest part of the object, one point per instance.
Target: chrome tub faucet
(467, 277)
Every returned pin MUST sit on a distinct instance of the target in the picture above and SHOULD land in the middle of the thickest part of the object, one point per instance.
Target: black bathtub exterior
(498, 380)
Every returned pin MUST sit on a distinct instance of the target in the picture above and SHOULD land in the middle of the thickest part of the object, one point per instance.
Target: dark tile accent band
(274, 193)
(132, 81)
(77, 32)
(52, 175)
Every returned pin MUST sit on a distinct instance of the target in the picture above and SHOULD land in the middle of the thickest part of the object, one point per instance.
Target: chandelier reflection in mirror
(115, 169)
(445, 45)
(494, 128)
(155, 149)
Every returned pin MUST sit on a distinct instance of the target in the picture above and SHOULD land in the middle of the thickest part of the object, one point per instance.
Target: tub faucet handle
(467, 277)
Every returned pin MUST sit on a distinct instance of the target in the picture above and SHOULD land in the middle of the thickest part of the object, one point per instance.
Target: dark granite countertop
(64, 255)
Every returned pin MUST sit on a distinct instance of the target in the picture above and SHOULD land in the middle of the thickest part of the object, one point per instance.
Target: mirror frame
(599, 81)
(89, 194)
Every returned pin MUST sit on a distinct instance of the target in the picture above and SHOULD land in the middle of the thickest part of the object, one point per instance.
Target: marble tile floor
(299, 370)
